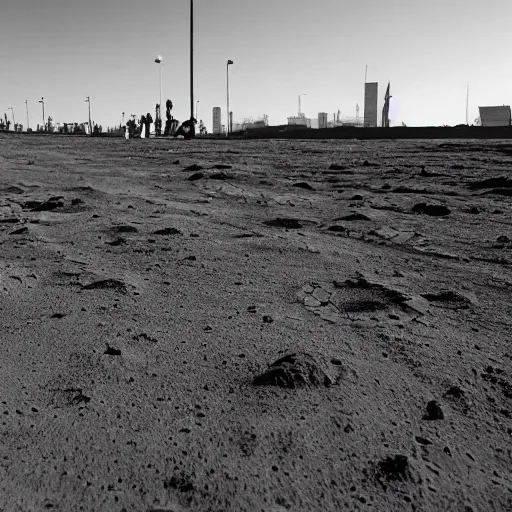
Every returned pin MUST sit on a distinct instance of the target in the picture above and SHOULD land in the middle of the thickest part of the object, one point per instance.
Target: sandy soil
(138, 305)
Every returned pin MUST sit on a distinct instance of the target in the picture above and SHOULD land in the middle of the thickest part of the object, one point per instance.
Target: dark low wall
(395, 133)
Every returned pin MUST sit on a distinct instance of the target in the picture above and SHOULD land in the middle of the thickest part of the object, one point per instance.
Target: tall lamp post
(197, 104)
(123, 118)
(88, 100)
(191, 59)
(159, 61)
(42, 102)
(230, 62)
(26, 106)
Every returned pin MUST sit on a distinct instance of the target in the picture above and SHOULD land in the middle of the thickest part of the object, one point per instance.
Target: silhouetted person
(149, 120)
(187, 129)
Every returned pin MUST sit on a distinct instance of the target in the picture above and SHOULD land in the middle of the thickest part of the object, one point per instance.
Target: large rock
(296, 371)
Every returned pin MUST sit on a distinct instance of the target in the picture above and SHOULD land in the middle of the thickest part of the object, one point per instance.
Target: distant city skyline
(66, 51)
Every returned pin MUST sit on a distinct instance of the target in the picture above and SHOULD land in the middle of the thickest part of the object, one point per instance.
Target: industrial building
(322, 120)
(301, 120)
(217, 121)
(370, 104)
(495, 116)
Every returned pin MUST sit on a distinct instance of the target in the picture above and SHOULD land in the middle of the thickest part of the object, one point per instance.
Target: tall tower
(217, 122)
(370, 104)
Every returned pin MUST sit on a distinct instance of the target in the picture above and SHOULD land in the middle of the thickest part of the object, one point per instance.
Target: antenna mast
(467, 106)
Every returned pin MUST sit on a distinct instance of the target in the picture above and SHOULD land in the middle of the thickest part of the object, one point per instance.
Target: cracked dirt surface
(137, 307)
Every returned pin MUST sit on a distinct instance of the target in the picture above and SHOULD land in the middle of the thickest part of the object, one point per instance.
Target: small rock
(337, 167)
(432, 210)
(125, 229)
(311, 302)
(167, 231)
(111, 351)
(19, 231)
(192, 168)
(423, 441)
(284, 223)
(337, 229)
(395, 468)
(267, 319)
(354, 217)
(196, 176)
(303, 185)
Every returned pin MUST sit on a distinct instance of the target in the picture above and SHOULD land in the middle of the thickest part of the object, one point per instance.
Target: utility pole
(364, 95)
(159, 61)
(123, 118)
(26, 106)
(42, 102)
(88, 100)
(230, 62)
(467, 106)
(191, 59)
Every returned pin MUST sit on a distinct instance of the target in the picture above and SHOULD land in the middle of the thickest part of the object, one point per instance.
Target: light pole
(123, 118)
(191, 59)
(42, 102)
(197, 103)
(26, 105)
(88, 100)
(159, 61)
(230, 62)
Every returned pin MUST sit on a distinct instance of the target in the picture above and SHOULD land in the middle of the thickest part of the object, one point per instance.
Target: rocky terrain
(228, 326)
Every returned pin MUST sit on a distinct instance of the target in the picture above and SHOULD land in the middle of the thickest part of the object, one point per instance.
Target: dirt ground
(140, 298)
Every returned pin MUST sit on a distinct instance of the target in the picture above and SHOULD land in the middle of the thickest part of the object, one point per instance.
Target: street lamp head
(230, 62)
(159, 59)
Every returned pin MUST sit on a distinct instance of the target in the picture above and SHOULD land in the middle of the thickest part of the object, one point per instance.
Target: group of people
(144, 127)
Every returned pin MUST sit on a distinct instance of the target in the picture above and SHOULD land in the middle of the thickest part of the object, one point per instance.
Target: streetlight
(159, 61)
(42, 102)
(197, 103)
(26, 105)
(88, 100)
(191, 59)
(123, 118)
(230, 62)
(300, 111)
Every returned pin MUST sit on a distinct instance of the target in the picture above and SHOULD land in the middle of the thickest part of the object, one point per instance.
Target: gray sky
(66, 50)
